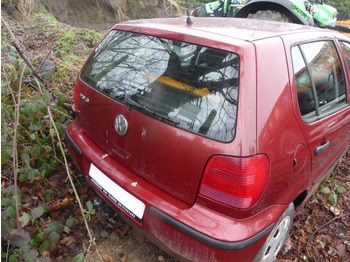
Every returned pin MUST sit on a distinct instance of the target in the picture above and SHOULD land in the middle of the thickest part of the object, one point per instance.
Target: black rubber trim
(74, 145)
(332, 165)
(219, 244)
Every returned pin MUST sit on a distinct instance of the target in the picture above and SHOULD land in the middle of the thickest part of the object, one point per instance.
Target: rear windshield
(192, 87)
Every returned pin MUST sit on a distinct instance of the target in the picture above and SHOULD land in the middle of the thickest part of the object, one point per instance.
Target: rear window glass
(189, 86)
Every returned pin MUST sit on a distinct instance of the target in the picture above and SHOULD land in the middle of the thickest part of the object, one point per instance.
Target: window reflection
(194, 85)
(319, 77)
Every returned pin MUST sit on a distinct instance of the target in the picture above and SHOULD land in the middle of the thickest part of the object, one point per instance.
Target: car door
(321, 85)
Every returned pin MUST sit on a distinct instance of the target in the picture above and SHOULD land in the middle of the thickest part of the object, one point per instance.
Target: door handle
(322, 148)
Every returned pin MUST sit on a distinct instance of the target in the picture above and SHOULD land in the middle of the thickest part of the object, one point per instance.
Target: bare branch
(14, 145)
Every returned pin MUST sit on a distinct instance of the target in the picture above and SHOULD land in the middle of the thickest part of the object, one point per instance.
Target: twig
(20, 51)
(325, 224)
(14, 145)
(35, 73)
(42, 62)
(5, 76)
(92, 240)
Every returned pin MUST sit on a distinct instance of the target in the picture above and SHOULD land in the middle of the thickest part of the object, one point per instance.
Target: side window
(319, 78)
(306, 99)
(346, 50)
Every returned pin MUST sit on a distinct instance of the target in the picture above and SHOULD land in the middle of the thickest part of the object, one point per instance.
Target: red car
(209, 136)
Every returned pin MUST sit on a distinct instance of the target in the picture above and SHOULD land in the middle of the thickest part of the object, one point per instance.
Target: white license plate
(130, 204)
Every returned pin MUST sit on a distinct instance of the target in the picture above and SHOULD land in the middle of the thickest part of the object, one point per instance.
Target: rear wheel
(270, 15)
(277, 237)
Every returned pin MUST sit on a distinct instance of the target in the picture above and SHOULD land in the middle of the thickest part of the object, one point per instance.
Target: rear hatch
(160, 107)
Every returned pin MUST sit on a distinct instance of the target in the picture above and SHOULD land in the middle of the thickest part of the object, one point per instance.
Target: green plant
(37, 156)
(34, 117)
(90, 211)
(333, 194)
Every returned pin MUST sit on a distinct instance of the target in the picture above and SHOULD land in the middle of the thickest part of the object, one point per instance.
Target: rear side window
(189, 86)
(346, 51)
(319, 78)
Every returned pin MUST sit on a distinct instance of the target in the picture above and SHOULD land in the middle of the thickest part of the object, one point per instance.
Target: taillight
(335, 15)
(76, 97)
(237, 182)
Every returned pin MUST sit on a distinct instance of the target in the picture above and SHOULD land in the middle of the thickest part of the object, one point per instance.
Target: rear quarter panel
(278, 133)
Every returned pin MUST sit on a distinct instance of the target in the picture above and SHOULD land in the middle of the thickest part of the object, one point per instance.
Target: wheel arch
(300, 199)
(282, 6)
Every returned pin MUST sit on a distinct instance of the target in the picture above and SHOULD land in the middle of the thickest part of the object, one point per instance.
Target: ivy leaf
(66, 229)
(5, 202)
(333, 198)
(13, 258)
(11, 58)
(325, 190)
(20, 238)
(4, 49)
(339, 189)
(5, 157)
(11, 212)
(37, 212)
(90, 206)
(59, 126)
(61, 98)
(33, 128)
(22, 178)
(24, 219)
(5, 83)
(26, 71)
(45, 246)
(79, 258)
(32, 256)
(70, 222)
(25, 157)
(7, 227)
(13, 50)
(32, 174)
(54, 237)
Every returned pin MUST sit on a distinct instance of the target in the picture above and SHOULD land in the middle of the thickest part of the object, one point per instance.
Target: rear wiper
(161, 117)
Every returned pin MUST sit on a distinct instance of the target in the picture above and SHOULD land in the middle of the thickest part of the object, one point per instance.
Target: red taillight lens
(335, 15)
(76, 97)
(237, 182)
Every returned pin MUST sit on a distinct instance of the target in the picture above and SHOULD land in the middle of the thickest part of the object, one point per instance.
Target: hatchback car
(209, 135)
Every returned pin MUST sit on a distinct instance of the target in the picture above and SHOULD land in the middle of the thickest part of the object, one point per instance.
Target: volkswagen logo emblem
(121, 125)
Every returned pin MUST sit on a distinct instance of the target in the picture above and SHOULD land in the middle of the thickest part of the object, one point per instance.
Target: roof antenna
(189, 20)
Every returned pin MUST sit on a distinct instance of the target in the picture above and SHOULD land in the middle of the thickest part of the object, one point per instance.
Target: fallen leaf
(46, 253)
(67, 241)
(335, 211)
(65, 202)
(341, 250)
(107, 257)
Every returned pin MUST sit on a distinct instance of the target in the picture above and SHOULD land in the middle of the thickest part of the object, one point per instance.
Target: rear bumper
(194, 232)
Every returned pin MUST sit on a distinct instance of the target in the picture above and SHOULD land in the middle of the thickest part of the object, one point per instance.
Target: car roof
(238, 28)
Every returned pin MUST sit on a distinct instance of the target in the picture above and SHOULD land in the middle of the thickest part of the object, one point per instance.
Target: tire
(270, 15)
(277, 237)
(200, 11)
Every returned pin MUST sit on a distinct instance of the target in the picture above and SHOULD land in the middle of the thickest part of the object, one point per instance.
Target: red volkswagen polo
(209, 136)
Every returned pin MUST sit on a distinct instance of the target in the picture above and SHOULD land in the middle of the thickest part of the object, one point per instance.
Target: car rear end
(166, 133)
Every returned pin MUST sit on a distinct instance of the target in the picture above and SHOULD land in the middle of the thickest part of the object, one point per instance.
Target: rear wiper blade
(165, 119)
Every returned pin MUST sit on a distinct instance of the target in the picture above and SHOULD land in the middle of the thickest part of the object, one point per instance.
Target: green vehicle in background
(312, 13)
